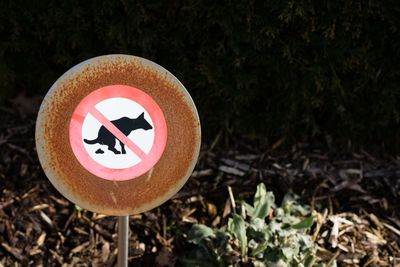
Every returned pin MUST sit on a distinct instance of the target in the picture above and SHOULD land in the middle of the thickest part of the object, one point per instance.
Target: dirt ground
(356, 194)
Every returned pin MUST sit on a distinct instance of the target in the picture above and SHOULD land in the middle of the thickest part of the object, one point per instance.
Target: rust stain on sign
(123, 197)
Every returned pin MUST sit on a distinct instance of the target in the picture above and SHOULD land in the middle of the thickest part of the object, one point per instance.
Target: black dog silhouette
(126, 126)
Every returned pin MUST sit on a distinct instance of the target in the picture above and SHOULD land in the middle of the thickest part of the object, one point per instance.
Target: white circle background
(114, 109)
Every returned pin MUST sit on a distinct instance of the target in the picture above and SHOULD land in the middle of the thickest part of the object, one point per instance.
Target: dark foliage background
(279, 68)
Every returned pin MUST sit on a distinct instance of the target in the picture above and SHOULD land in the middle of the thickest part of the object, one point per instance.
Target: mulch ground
(356, 195)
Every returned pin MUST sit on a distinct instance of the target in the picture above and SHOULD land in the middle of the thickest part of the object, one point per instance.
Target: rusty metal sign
(118, 135)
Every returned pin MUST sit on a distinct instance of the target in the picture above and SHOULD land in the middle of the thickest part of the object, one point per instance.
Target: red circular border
(147, 102)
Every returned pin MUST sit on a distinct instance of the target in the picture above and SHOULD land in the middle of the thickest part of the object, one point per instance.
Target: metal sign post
(109, 135)
(123, 241)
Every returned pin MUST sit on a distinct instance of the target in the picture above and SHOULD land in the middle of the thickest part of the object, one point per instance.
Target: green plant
(262, 235)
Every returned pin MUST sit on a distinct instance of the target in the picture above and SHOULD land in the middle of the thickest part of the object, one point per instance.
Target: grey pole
(123, 240)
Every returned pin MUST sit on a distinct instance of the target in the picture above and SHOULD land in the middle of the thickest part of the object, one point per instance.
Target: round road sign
(118, 135)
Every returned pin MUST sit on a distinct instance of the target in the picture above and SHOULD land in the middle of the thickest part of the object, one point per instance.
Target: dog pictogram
(126, 126)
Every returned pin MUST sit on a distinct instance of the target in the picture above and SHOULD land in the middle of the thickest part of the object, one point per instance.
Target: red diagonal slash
(117, 133)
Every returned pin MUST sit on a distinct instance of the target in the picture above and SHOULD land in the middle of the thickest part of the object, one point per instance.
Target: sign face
(118, 132)
(118, 135)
